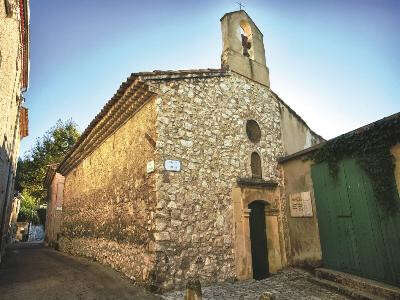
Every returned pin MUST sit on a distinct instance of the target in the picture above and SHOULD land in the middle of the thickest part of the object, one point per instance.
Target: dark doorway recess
(259, 252)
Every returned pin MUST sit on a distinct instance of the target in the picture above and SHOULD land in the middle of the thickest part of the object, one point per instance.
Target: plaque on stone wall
(300, 205)
(172, 165)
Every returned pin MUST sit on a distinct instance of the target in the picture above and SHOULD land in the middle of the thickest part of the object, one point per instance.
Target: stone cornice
(256, 182)
(129, 99)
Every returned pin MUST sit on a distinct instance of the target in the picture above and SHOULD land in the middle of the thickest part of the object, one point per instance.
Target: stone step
(344, 290)
(366, 286)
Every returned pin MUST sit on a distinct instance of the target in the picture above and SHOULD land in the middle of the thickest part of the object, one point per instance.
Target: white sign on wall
(172, 165)
(301, 205)
(150, 166)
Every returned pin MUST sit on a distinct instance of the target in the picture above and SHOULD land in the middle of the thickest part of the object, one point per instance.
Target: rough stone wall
(10, 73)
(202, 123)
(15, 207)
(54, 209)
(109, 200)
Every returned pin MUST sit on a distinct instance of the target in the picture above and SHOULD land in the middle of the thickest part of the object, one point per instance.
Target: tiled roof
(128, 98)
(24, 37)
(392, 120)
(182, 74)
(23, 122)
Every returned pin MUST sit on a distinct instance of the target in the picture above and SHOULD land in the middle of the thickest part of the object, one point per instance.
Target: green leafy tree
(28, 210)
(49, 149)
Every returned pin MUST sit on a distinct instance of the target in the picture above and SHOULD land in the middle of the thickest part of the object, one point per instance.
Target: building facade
(355, 223)
(55, 188)
(14, 70)
(178, 175)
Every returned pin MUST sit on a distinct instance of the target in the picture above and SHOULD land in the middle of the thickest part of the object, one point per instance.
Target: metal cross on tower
(240, 5)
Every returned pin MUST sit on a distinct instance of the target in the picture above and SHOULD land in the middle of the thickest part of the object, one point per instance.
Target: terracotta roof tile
(392, 120)
(138, 78)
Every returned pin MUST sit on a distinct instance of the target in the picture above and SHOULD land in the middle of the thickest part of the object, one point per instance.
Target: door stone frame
(242, 197)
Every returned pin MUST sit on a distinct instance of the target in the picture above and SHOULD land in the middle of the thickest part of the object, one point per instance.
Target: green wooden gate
(357, 235)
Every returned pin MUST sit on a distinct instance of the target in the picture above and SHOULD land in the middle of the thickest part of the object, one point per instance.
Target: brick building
(14, 71)
(178, 175)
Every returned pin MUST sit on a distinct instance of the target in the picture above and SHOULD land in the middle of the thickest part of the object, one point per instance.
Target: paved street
(31, 271)
(286, 285)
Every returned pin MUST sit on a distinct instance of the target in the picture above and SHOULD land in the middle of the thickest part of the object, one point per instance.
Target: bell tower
(243, 47)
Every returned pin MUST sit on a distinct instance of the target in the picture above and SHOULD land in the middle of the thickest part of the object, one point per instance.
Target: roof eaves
(182, 74)
(300, 153)
(363, 129)
(79, 150)
(25, 35)
(93, 134)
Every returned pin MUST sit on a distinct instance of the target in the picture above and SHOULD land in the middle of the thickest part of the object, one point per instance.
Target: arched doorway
(258, 238)
(243, 198)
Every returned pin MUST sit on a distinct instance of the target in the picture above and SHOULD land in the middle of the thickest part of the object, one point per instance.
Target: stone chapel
(178, 175)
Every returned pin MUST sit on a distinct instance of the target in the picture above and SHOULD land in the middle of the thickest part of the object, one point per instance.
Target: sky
(336, 63)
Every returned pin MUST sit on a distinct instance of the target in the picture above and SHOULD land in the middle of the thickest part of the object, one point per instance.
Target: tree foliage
(28, 210)
(49, 149)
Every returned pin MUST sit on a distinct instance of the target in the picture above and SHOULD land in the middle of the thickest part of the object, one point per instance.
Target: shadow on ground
(32, 271)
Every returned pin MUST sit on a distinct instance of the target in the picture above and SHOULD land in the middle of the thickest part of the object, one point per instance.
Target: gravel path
(287, 284)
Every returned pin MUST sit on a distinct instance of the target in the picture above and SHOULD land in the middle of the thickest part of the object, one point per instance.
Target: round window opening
(253, 131)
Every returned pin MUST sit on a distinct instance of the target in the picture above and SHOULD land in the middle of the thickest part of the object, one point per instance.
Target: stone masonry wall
(55, 195)
(109, 200)
(10, 73)
(202, 123)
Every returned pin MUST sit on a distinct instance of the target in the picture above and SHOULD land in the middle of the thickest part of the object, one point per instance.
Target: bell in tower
(243, 47)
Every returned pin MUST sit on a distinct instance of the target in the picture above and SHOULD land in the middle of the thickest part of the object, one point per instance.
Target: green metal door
(357, 235)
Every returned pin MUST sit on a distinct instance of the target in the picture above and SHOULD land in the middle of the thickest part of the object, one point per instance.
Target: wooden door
(259, 252)
(357, 234)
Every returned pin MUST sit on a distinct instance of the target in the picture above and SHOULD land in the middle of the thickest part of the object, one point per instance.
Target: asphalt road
(31, 271)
